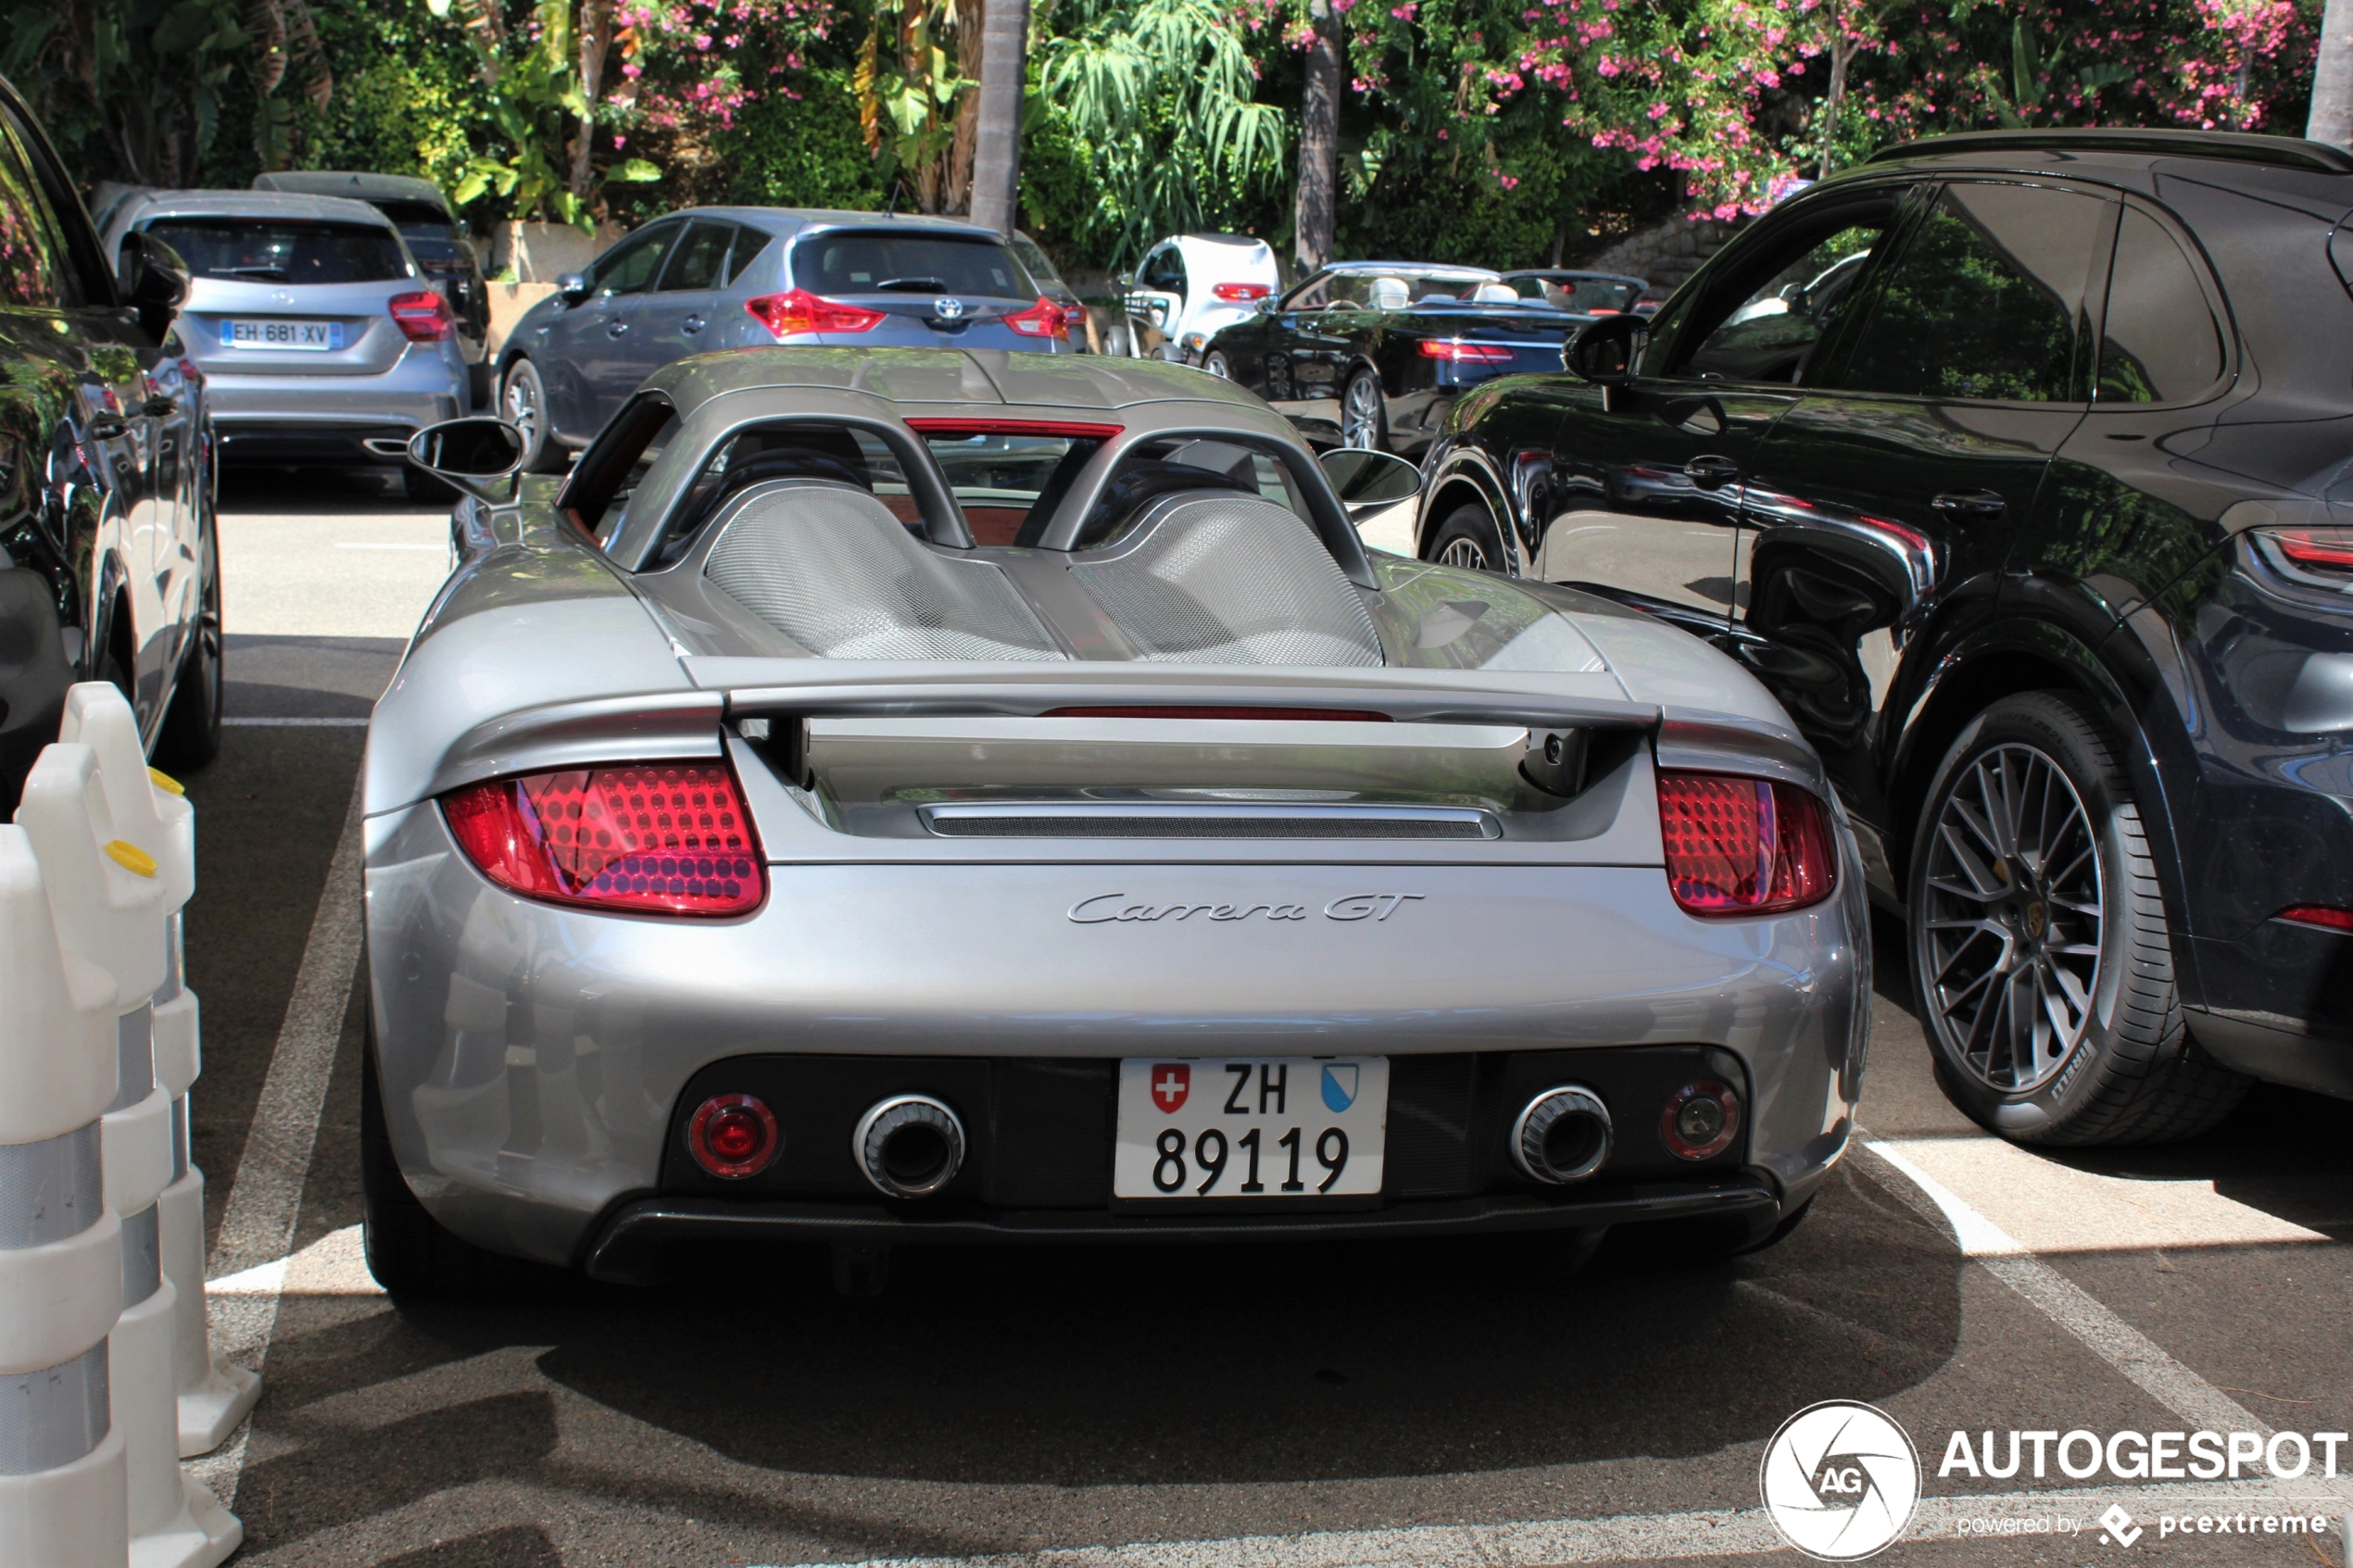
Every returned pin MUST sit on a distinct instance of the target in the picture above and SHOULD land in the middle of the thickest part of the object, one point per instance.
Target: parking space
(1439, 1402)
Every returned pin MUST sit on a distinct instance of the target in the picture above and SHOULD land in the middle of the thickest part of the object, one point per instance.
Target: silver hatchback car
(320, 338)
(756, 277)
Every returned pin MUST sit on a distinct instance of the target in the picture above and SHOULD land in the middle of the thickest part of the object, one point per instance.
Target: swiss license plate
(1277, 1127)
(316, 337)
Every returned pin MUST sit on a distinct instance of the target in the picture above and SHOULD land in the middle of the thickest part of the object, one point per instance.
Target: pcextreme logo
(1840, 1480)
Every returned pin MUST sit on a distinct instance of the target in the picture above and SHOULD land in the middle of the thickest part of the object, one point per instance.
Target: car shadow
(323, 491)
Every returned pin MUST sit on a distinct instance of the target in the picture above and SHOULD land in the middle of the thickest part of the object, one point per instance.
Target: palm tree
(1004, 69)
(1318, 142)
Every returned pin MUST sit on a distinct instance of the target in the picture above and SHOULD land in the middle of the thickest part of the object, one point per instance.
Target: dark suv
(2020, 466)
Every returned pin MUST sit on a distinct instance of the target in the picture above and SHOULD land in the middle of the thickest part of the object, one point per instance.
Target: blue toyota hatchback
(739, 277)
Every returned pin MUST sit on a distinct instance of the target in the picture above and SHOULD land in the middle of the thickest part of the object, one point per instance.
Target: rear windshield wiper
(277, 273)
(911, 285)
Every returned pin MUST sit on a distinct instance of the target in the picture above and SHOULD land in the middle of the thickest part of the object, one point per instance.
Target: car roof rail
(2282, 152)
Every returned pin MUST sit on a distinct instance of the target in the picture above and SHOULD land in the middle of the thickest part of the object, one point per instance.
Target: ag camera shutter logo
(1840, 1480)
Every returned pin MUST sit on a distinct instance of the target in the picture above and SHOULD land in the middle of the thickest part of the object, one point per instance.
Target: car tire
(1468, 538)
(1364, 413)
(409, 1251)
(191, 733)
(2043, 972)
(523, 403)
(1217, 365)
(421, 486)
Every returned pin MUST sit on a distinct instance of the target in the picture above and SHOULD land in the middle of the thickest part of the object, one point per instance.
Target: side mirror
(1124, 281)
(153, 280)
(479, 456)
(572, 288)
(1370, 484)
(1266, 305)
(1607, 349)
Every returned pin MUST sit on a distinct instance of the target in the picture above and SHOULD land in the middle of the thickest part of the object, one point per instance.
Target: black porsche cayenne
(2020, 466)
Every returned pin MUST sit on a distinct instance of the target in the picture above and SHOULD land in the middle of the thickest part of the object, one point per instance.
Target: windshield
(911, 263)
(1035, 259)
(999, 477)
(277, 250)
(1565, 292)
(418, 220)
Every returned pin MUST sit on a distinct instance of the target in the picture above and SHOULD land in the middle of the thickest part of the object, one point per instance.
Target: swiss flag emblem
(1172, 1080)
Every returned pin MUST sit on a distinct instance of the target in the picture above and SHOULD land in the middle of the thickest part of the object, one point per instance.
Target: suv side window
(1987, 300)
(2159, 343)
(701, 261)
(631, 264)
(35, 268)
(1765, 322)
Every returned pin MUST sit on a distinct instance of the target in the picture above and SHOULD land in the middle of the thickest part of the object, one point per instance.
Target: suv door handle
(1971, 506)
(691, 324)
(616, 329)
(1711, 472)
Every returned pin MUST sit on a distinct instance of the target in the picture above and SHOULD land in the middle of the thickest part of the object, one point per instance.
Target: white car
(1190, 287)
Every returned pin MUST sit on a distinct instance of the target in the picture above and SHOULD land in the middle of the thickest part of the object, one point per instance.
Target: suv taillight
(655, 837)
(1044, 318)
(797, 311)
(423, 317)
(2320, 556)
(1744, 846)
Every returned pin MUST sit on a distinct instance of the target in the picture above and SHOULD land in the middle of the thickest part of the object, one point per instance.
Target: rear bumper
(533, 1058)
(627, 1246)
(327, 418)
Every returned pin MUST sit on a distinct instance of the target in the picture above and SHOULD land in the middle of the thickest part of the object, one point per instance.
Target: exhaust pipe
(1562, 1136)
(909, 1146)
(385, 446)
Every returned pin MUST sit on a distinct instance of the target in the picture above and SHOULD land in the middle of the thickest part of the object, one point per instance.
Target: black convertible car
(1385, 347)
(2015, 465)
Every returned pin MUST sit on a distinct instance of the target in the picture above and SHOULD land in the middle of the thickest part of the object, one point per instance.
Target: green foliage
(805, 152)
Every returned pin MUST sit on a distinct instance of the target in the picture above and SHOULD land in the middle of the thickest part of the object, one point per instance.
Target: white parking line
(358, 544)
(1628, 1538)
(265, 1195)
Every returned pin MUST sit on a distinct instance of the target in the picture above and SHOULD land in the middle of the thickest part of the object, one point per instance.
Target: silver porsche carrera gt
(897, 797)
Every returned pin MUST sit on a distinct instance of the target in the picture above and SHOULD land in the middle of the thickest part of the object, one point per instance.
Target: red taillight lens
(2321, 552)
(797, 311)
(1293, 715)
(1700, 1120)
(1466, 353)
(1240, 292)
(733, 1135)
(660, 838)
(1044, 318)
(423, 317)
(2321, 915)
(1743, 846)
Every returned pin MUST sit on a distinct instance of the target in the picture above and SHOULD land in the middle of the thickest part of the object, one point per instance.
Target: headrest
(1494, 293)
(1390, 294)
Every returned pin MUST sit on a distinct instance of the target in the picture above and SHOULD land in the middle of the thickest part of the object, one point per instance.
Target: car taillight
(733, 1135)
(1044, 318)
(1240, 292)
(658, 838)
(1465, 353)
(423, 317)
(2323, 555)
(2321, 915)
(1743, 846)
(797, 311)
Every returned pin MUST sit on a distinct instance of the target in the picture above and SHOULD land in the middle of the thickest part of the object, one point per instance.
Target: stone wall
(1666, 253)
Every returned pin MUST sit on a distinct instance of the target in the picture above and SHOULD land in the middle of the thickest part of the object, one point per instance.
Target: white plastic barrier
(106, 895)
(150, 811)
(62, 1477)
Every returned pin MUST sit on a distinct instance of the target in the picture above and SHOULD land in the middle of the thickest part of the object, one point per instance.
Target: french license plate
(316, 337)
(1281, 1127)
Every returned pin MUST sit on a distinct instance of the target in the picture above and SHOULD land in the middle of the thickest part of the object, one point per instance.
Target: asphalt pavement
(1295, 1405)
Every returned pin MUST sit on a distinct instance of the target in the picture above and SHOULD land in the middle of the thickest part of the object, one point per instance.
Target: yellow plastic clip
(164, 781)
(131, 858)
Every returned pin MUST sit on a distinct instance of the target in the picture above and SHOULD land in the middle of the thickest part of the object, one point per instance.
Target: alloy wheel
(523, 409)
(1217, 366)
(1461, 550)
(2015, 911)
(1360, 413)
